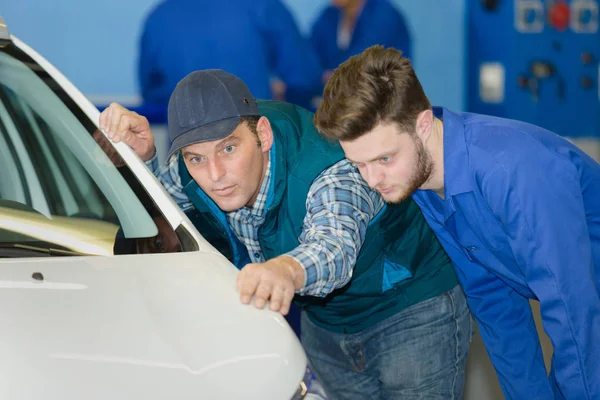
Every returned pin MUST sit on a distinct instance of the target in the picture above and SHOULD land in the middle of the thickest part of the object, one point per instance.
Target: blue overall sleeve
(291, 55)
(320, 39)
(392, 32)
(399, 37)
(538, 200)
(151, 76)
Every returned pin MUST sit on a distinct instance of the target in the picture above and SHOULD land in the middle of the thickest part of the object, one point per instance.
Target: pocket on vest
(392, 274)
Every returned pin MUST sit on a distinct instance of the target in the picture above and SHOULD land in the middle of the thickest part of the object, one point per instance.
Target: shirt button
(256, 255)
(473, 248)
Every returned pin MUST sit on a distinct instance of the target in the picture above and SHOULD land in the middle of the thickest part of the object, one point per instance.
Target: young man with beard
(383, 315)
(516, 207)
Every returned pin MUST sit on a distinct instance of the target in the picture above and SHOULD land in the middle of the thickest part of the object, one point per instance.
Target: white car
(107, 291)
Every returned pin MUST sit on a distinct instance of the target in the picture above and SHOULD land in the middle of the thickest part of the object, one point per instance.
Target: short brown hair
(251, 121)
(376, 86)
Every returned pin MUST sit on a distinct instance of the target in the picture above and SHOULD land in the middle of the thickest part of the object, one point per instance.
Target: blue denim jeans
(419, 353)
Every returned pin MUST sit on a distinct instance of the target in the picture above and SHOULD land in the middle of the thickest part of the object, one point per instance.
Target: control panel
(536, 61)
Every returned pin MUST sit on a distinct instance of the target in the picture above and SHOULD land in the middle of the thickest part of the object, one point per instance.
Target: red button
(559, 16)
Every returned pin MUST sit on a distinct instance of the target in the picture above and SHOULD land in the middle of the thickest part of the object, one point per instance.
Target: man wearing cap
(383, 316)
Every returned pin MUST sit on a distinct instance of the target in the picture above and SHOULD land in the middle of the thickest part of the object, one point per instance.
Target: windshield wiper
(8, 249)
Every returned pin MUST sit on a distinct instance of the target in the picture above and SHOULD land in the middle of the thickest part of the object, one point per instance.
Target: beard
(422, 171)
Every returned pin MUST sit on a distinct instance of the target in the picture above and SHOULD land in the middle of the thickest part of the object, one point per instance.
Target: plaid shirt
(339, 207)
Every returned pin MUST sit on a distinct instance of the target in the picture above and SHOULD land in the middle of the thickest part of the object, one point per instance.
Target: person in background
(383, 315)
(254, 40)
(347, 27)
(516, 207)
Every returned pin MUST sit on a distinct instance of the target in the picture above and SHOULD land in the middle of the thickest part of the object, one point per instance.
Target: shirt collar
(457, 174)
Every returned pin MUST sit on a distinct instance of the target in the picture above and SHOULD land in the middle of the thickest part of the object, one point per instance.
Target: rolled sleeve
(340, 207)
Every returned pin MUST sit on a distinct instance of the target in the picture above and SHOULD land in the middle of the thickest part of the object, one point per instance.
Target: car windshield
(62, 192)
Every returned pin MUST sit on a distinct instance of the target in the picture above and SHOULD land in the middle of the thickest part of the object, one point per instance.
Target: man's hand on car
(122, 125)
(275, 281)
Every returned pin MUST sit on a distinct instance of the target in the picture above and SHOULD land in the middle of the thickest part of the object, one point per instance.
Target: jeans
(418, 353)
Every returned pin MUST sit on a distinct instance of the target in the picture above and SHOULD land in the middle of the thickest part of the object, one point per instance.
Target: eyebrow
(187, 153)
(225, 142)
(371, 160)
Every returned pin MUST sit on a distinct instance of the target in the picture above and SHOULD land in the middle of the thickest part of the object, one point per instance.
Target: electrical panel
(536, 61)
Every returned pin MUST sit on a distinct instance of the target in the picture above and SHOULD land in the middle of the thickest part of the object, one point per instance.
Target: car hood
(139, 327)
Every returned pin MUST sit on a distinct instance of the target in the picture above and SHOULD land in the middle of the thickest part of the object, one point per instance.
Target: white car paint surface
(139, 327)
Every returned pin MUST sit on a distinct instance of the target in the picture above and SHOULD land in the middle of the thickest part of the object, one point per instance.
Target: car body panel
(142, 326)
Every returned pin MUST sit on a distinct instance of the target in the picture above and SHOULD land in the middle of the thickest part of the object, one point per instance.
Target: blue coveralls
(250, 39)
(378, 23)
(520, 219)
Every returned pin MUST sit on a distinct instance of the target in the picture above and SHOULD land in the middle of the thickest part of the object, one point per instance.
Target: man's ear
(265, 134)
(424, 125)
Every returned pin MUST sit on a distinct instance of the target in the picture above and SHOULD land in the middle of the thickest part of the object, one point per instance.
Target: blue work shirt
(520, 219)
(378, 23)
(250, 39)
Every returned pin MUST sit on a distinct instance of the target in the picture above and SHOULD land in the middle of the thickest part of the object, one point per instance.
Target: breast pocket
(477, 216)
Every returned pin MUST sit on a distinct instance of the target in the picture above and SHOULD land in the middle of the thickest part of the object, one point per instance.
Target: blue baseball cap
(207, 105)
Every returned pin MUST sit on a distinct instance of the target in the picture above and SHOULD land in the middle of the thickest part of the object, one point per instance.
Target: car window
(62, 189)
